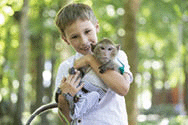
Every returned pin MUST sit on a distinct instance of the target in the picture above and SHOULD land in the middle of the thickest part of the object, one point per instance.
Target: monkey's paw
(102, 71)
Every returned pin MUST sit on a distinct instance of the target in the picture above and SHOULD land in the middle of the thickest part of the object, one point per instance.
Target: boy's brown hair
(70, 13)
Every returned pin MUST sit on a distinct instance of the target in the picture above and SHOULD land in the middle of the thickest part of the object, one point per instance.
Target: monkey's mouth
(104, 59)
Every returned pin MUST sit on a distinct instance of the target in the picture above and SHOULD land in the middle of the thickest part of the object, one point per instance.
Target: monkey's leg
(110, 66)
(102, 68)
(41, 110)
(105, 67)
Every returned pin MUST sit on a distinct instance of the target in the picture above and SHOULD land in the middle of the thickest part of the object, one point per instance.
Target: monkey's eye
(109, 49)
(102, 48)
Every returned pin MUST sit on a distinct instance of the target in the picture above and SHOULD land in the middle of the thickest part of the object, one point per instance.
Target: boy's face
(81, 34)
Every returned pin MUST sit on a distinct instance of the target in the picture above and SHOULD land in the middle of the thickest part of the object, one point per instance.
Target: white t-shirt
(112, 107)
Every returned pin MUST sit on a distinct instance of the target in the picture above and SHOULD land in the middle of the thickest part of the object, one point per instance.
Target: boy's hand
(83, 61)
(69, 85)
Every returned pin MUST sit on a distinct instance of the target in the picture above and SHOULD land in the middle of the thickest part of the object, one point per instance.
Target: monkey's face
(105, 52)
(81, 34)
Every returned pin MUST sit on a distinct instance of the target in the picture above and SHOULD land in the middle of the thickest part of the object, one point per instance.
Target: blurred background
(153, 33)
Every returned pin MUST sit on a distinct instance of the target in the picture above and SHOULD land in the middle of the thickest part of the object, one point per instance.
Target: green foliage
(179, 120)
(157, 37)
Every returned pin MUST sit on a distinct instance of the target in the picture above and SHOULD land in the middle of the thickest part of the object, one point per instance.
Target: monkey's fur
(105, 51)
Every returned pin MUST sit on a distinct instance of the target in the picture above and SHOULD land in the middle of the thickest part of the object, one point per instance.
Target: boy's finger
(63, 80)
(77, 82)
(81, 86)
(69, 78)
(75, 77)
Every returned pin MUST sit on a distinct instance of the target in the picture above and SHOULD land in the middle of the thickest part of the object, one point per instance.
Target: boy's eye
(87, 31)
(74, 37)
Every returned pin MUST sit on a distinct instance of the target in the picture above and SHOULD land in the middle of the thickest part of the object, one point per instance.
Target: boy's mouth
(85, 48)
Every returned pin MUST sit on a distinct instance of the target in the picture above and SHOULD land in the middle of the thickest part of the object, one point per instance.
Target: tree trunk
(165, 78)
(11, 109)
(186, 91)
(50, 91)
(130, 47)
(153, 80)
(153, 90)
(22, 62)
(37, 61)
(6, 110)
(185, 66)
(37, 68)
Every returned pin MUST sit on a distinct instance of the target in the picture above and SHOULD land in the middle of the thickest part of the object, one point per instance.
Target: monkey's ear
(93, 47)
(118, 47)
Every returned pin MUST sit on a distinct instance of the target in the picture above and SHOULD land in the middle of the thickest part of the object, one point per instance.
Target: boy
(79, 27)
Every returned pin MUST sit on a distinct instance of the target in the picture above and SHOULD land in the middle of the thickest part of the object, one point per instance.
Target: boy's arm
(117, 82)
(63, 109)
(68, 85)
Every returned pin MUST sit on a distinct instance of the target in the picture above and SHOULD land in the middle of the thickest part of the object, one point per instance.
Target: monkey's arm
(113, 79)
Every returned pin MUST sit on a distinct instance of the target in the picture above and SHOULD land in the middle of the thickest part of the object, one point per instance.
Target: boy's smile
(81, 34)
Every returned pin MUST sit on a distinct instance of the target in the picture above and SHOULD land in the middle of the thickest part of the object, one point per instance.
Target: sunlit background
(29, 65)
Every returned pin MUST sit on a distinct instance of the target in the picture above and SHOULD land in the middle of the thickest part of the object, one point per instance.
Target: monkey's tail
(41, 110)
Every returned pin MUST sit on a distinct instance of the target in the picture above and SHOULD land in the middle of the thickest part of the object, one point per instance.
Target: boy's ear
(64, 38)
(97, 27)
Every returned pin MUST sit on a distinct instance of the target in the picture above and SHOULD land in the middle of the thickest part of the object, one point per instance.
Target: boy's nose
(84, 40)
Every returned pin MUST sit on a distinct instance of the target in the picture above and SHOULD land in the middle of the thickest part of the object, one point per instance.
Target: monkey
(105, 52)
